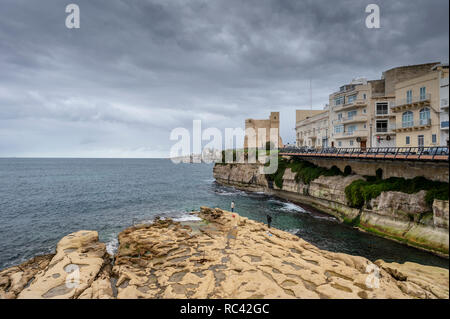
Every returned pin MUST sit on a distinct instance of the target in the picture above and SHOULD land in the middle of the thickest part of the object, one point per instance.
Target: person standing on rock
(233, 232)
(269, 220)
(232, 206)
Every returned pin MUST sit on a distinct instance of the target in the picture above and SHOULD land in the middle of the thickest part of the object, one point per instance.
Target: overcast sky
(135, 70)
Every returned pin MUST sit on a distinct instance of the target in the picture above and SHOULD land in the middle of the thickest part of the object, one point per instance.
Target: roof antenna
(310, 94)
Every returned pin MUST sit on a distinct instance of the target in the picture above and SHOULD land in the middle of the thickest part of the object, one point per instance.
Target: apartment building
(362, 113)
(300, 115)
(381, 120)
(417, 110)
(407, 107)
(349, 116)
(444, 101)
(313, 130)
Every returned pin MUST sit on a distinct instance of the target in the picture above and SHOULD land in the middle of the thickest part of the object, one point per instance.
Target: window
(364, 111)
(382, 108)
(408, 140)
(339, 143)
(407, 119)
(364, 96)
(409, 96)
(351, 142)
(420, 142)
(351, 114)
(339, 100)
(351, 98)
(423, 93)
(340, 116)
(365, 126)
(351, 128)
(338, 128)
(424, 116)
(382, 126)
(433, 139)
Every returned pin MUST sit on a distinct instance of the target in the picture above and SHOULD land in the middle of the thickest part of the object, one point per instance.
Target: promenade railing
(435, 153)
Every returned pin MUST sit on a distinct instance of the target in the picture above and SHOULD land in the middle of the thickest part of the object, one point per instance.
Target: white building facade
(313, 131)
(444, 103)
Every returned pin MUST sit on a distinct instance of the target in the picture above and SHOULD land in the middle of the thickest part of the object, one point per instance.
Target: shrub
(439, 192)
(304, 171)
(277, 177)
(353, 193)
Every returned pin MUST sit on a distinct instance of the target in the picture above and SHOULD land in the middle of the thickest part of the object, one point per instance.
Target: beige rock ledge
(75, 269)
(222, 256)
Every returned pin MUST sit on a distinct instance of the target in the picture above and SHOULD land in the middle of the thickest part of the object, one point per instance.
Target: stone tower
(272, 122)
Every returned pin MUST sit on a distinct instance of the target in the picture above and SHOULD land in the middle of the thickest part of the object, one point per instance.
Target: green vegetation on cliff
(360, 192)
(304, 171)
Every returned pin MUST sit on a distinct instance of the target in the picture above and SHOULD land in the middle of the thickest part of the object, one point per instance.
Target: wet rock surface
(221, 256)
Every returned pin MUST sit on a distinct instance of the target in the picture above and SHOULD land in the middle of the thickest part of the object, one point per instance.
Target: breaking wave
(112, 245)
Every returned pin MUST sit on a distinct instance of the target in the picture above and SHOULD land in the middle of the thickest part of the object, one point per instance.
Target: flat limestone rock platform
(222, 256)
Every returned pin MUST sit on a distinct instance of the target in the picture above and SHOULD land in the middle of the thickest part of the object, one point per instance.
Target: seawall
(405, 218)
(435, 171)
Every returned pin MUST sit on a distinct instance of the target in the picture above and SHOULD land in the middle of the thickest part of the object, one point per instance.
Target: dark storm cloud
(137, 69)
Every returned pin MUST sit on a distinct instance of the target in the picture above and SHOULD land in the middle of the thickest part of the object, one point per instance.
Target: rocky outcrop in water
(408, 217)
(78, 269)
(418, 281)
(223, 255)
(401, 205)
(13, 280)
(245, 176)
(405, 218)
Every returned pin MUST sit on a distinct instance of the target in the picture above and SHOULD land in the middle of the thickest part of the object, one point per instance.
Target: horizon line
(71, 157)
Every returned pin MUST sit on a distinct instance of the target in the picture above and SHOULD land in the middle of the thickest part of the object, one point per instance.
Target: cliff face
(402, 217)
(245, 176)
(221, 256)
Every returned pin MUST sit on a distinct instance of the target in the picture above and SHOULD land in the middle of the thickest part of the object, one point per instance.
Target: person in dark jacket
(269, 220)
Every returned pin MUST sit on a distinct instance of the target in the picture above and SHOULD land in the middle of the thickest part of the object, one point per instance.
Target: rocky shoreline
(222, 255)
(405, 218)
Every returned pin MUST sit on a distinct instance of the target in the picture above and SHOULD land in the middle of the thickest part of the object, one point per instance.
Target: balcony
(349, 105)
(414, 126)
(444, 125)
(444, 104)
(351, 119)
(356, 133)
(390, 129)
(414, 102)
(384, 114)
